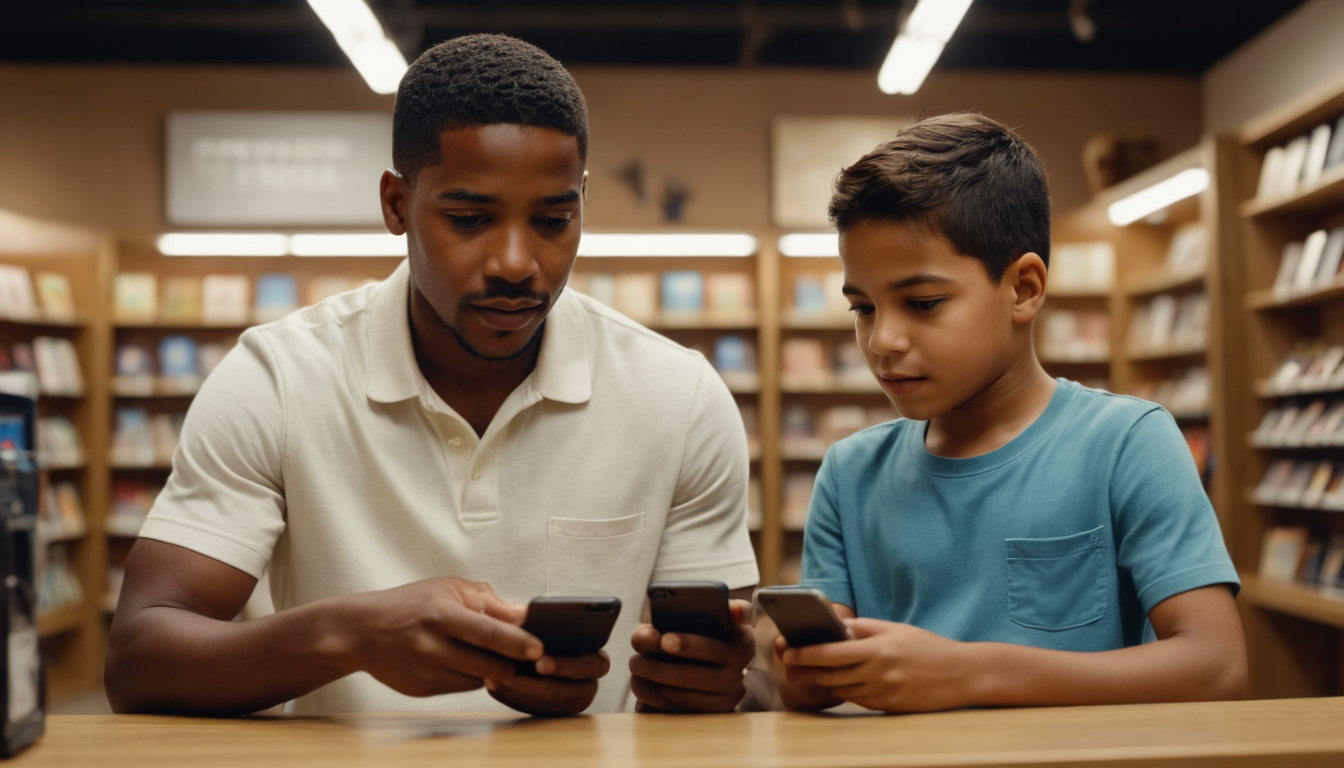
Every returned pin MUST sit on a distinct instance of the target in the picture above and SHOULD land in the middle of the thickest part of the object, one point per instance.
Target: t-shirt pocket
(1060, 583)
(588, 557)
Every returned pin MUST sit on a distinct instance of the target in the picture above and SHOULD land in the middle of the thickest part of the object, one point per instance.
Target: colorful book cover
(683, 291)
(809, 295)
(53, 292)
(730, 292)
(177, 356)
(182, 300)
(277, 296)
(135, 297)
(224, 300)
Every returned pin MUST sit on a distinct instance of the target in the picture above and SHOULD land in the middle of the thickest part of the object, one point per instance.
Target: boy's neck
(991, 419)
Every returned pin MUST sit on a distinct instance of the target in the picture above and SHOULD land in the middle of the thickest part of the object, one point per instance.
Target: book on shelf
(683, 291)
(1076, 334)
(62, 514)
(1335, 154)
(135, 297)
(819, 294)
(181, 300)
(1166, 321)
(134, 376)
(1281, 553)
(1189, 250)
(132, 439)
(1314, 164)
(798, 436)
(839, 422)
(637, 296)
(133, 499)
(797, 498)
(1190, 327)
(16, 294)
(54, 296)
(851, 370)
(57, 366)
(600, 286)
(225, 300)
(1271, 170)
(167, 430)
(1332, 563)
(1312, 366)
(1309, 262)
(277, 296)
(735, 360)
(58, 586)
(729, 294)
(1294, 160)
(1082, 267)
(1332, 254)
(58, 443)
(324, 287)
(803, 363)
(178, 368)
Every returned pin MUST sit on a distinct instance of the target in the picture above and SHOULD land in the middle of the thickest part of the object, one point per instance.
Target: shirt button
(475, 475)
(1096, 541)
(459, 445)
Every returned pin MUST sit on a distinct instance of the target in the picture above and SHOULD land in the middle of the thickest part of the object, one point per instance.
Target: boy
(413, 461)
(1014, 539)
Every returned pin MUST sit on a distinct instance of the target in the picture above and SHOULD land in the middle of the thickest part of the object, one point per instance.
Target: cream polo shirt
(316, 449)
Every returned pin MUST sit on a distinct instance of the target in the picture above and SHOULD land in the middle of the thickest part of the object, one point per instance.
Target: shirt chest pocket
(1060, 583)
(595, 557)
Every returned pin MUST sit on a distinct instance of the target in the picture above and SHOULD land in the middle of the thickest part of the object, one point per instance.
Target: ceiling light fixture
(1150, 200)
(347, 244)
(364, 42)
(666, 244)
(796, 244)
(919, 44)
(223, 244)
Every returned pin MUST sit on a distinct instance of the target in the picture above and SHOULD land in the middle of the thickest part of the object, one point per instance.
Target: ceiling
(1171, 36)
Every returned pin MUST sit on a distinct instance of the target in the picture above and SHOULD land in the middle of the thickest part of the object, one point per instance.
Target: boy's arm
(1199, 655)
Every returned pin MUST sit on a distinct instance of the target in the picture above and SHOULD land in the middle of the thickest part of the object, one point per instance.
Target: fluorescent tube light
(347, 244)
(810, 244)
(1145, 202)
(666, 244)
(364, 42)
(223, 244)
(919, 44)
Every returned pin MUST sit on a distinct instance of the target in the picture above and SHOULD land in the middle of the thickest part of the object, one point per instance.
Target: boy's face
(492, 231)
(932, 327)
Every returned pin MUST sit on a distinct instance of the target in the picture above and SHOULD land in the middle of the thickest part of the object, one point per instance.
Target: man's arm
(1200, 655)
(175, 649)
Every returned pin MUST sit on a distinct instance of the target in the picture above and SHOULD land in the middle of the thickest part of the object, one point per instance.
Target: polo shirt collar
(562, 374)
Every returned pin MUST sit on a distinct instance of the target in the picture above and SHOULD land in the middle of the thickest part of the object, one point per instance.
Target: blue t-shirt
(1064, 538)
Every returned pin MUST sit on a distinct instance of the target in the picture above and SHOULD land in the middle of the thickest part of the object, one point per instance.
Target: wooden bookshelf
(1293, 631)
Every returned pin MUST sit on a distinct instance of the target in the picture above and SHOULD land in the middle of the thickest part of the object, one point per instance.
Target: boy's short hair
(967, 177)
(481, 80)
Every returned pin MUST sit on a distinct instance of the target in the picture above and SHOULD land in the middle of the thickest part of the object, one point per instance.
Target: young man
(1014, 539)
(465, 419)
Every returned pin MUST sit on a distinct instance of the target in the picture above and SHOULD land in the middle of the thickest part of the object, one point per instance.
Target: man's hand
(563, 685)
(437, 636)
(692, 673)
(887, 666)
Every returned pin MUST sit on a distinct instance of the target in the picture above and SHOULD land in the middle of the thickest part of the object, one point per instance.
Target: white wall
(1301, 54)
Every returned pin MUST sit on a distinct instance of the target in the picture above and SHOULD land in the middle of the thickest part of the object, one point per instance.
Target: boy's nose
(889, 337)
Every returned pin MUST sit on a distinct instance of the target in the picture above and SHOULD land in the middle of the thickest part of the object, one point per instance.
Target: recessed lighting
(666, 244)
(1150, 200)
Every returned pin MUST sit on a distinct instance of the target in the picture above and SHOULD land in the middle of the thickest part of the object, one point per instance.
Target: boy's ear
(1027, 275)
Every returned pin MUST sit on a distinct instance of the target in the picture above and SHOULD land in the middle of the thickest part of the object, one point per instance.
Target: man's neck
(472, 386)
(995, 416)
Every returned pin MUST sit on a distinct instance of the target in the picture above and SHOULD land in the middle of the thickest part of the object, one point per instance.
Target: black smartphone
(803, 616)
(693, 607)
(570, 626)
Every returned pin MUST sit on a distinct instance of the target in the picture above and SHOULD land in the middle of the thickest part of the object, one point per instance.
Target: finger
(802, 675)
(695, 647)
(467, 659)
(587, 667)
(649, 693)
(480, 597)
(490, 633)
(841, 654)
(541, 696)
(859, 628)
(696, 701)
(741, 612)
(645, 639)
(840, 677)
(696, 677)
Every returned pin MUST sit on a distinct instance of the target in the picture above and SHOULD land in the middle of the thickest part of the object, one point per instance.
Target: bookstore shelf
(1327, 195)
(1065, 293)
(1165, 354)
(1190, 415)
(49, 535)
(183, 326)
(1099, 359)
(1317, 603)
(1263, 390)
(1295, 118)
(60, 621)
(807, 323)
(705, 321)
(831, 388)
(44, 323)
(1166, 283)
(1270, 299)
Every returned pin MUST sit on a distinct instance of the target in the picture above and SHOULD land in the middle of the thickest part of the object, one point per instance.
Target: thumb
(494, 606)
(741, 613)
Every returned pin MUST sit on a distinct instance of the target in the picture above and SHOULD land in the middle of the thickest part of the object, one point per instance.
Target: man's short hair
(481, 80)
(966, 177)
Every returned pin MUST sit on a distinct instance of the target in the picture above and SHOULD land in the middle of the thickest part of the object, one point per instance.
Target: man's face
(493, 231)
(932, 327)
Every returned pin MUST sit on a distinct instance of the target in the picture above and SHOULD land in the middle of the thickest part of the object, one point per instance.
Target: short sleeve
(1167, 536)
(225, 497)
(706, 535)
(825, 566)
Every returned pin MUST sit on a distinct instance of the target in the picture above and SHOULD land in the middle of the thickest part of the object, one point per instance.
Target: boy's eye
(554, 223)
(861, 309)
(466, 222)
(923, 305)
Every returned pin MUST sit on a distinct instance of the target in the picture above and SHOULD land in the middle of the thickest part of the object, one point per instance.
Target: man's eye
(553, 223)
(466, 222)
(861, 309)
(924, 305)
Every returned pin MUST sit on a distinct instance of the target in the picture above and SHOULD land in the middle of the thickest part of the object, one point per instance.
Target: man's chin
(500, 346)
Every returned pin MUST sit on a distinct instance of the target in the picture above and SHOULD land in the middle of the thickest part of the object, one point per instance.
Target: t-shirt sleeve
(1167, 535)
(706, 537)
(825, 565)
(225, 497)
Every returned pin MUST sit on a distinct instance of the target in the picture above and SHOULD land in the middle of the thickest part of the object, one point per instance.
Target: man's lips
(507, 316)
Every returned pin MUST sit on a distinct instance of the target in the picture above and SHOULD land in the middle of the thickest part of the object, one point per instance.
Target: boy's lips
(900, 385)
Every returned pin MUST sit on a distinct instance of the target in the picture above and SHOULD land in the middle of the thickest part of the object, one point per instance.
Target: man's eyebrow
(467, 196)
(560, 199)
(920, 279)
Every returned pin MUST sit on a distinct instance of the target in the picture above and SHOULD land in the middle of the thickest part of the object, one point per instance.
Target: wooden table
(1297, 732)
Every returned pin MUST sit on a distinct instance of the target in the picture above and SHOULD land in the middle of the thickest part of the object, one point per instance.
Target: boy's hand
(887, 666)
(563, 685)
(692, 673)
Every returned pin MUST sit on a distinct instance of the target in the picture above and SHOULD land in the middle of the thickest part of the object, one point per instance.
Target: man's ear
(394, 193)
(1027, 276)
(583, 187)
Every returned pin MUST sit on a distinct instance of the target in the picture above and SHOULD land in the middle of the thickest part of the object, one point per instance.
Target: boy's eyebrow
(920, 279)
